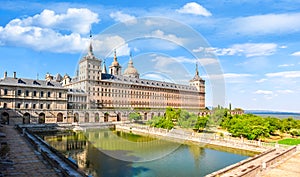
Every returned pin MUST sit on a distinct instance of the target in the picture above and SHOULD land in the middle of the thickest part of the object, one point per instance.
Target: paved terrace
(22, 159)
(286, 168)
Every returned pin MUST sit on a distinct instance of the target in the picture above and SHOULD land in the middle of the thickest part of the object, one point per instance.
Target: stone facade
(94, 95)
(116, 91)
(32, 101)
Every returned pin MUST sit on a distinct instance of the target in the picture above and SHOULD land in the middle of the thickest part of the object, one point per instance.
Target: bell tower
(115, 68)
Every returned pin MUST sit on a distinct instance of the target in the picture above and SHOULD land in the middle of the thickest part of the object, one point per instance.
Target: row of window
(34, 106)
(34, 93)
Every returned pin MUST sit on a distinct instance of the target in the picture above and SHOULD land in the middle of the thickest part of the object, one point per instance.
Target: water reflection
(101, 153)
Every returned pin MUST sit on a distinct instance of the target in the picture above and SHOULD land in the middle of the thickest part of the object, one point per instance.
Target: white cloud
(157, 77)
(74, 20)
(229, 77)
(264, 92)
(266, 24)
(122, 17)
(165, 61)
(285, 74)
(296, 54)
(252, 49)
(42, 32)
(104, 45)
(261, 80)
(285, 91)
(247, 49)
(169, 37)
(195, 9)
(236, 75)
(285, 65)
(267, 94)
(42, 39)
(283, 47)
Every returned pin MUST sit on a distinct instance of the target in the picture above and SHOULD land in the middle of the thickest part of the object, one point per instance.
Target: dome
(115, 63)
(130, 71)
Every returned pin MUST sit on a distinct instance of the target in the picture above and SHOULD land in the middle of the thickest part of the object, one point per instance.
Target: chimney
(15, 75)
(5, 75)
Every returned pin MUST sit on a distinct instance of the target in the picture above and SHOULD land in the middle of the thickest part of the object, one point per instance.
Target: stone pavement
(26, 161)
(288, 168)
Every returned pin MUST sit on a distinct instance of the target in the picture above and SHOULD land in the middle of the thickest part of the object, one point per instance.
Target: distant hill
(269, 112)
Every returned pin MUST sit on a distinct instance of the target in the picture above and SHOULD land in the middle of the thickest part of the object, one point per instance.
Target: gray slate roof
(146, 82)
(22, 82)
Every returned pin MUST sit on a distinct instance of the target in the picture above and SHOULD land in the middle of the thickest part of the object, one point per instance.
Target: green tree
(201, 123)
(134, 116)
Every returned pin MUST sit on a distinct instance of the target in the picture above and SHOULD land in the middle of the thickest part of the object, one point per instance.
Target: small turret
(115, 68)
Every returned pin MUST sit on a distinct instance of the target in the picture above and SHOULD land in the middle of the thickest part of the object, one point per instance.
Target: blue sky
(252, 45)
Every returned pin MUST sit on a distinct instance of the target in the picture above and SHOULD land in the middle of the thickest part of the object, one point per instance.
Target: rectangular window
(48, 106)
(42, 94)
(19, 105)
(41, 106)
(34, 93)
(4, 105)
(33, 106)
(49, 94)
(26, 106)
(59, 95)
(5, 91)
(19, 92)
(27, 93)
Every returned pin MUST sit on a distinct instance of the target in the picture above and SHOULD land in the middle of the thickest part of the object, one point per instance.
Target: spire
(104, 71)
(115, 56)
(197, 72)
(130, 63)
(196, 77)
(90, 49)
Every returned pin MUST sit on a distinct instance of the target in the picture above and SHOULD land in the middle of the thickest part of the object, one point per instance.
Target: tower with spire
(115, 68)
(197, 81)
(89, 68)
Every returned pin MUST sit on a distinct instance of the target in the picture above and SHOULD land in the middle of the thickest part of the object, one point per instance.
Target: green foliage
(217, 116)
(201, 123)
(183, 118)
(255, 127)
(247, 125)
(172, 114)
(288, 124)
(161, 122)
(295, 132)
(289, 141)
(134, 116)
(186, 119)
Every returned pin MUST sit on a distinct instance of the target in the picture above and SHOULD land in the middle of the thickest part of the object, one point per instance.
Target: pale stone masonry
(32, 101)
(94, 95)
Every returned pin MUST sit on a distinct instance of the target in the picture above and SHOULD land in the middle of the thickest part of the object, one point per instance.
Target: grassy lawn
(289, 141)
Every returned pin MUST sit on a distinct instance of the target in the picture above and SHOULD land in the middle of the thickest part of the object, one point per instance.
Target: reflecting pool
(105, 153)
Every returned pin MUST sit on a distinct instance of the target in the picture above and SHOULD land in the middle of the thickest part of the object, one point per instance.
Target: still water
(110, 153)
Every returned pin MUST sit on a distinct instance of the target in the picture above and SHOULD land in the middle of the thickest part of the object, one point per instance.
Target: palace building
(95, 95)
(31, 100)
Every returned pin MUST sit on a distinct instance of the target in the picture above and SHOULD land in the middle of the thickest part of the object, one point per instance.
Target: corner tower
(198, 82)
